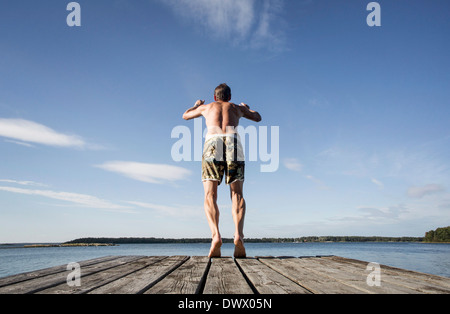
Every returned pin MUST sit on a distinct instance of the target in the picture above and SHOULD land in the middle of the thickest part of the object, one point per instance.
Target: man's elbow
(185, 117)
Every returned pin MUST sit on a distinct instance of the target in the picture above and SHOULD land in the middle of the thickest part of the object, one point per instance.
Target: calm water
(427, 258)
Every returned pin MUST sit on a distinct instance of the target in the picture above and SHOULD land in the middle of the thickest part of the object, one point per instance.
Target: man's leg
(212, 214)
(238, 211)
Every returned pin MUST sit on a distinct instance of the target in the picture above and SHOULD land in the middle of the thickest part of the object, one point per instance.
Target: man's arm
(195, 111)
(250, 114)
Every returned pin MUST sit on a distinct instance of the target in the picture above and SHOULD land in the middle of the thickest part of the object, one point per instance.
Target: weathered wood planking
(423, 283)
(47, 271)
(224, 277)
(196, 275)
(268, 281)
(317, 284)
(141, 280)
(48, 281)
(343, 279)
(108, 276)
(186, 279)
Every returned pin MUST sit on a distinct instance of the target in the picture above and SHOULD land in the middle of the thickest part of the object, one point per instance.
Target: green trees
(250, 240)
(438, 235)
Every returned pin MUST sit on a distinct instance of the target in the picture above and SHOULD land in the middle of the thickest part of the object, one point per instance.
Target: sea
(431, 258)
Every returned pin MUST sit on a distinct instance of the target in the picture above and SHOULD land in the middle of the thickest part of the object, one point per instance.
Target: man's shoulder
(233, 105)
(212, 104)
(237, 107)
(223, 105)
(205, 106)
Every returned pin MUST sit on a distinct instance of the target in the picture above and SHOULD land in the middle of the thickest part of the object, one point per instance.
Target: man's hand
(198, 103)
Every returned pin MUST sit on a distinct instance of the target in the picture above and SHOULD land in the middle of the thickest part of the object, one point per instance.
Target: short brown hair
(223, 92)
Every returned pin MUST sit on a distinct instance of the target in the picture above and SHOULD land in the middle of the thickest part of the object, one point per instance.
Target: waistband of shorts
(210, 136)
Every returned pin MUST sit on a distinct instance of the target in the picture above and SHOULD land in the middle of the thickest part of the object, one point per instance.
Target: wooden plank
(98, 279)
(421, 282)
(224, 277)
(267, 280)
(41, 283)
(314, 282)
(49, 271)
(342, 274)
(440, 280)
(186, 279)
(184, 275)
(140, 281)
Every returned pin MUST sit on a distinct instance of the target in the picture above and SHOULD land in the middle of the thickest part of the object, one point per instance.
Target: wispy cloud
(20, 143)
(268, 31)
(378, 183)
(252, 23)
(24, 132)
(421, 164)
(32, 183)
(375, 213)
(173, 210)
(318, 182)
(421, 191)
(150, 173)
(75, 198)
(293, 164)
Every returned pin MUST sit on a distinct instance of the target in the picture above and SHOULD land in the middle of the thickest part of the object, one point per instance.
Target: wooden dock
(201, 275)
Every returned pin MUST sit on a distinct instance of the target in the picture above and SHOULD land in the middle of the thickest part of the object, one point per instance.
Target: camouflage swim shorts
(223, 155)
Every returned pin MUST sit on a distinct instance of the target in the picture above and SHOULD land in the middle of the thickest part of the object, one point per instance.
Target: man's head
(222, 93)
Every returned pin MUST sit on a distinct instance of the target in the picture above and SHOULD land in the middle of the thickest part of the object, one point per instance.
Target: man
(223, 156)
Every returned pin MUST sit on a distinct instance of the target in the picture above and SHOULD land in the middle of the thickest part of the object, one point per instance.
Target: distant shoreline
(48, 245)
(86, 242)
(68, 245)
(314, 239)
(440, 235)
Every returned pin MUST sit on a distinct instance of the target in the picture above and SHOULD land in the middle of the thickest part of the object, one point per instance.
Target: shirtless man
(223, 156)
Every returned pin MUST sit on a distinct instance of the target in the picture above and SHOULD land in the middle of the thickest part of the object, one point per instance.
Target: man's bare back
(221, 117)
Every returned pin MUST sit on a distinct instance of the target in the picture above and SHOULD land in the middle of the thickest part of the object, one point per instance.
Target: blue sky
(86, 115)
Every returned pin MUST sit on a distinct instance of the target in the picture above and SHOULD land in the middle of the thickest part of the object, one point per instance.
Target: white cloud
(23, 182)
(26, 132)
(175, 210)
(79, 199)
(293, 164)
(253, 23)
(20, 143)
(421, 191)
(318, 182)
(392, 212)
(150, 173)
(377, 182)
(265, 32)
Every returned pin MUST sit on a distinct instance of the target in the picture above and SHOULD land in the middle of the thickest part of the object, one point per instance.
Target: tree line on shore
(438, 235)
(249, 240)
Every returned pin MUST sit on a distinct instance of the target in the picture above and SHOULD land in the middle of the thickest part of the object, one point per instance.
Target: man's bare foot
(239, 249)
(216, 244)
